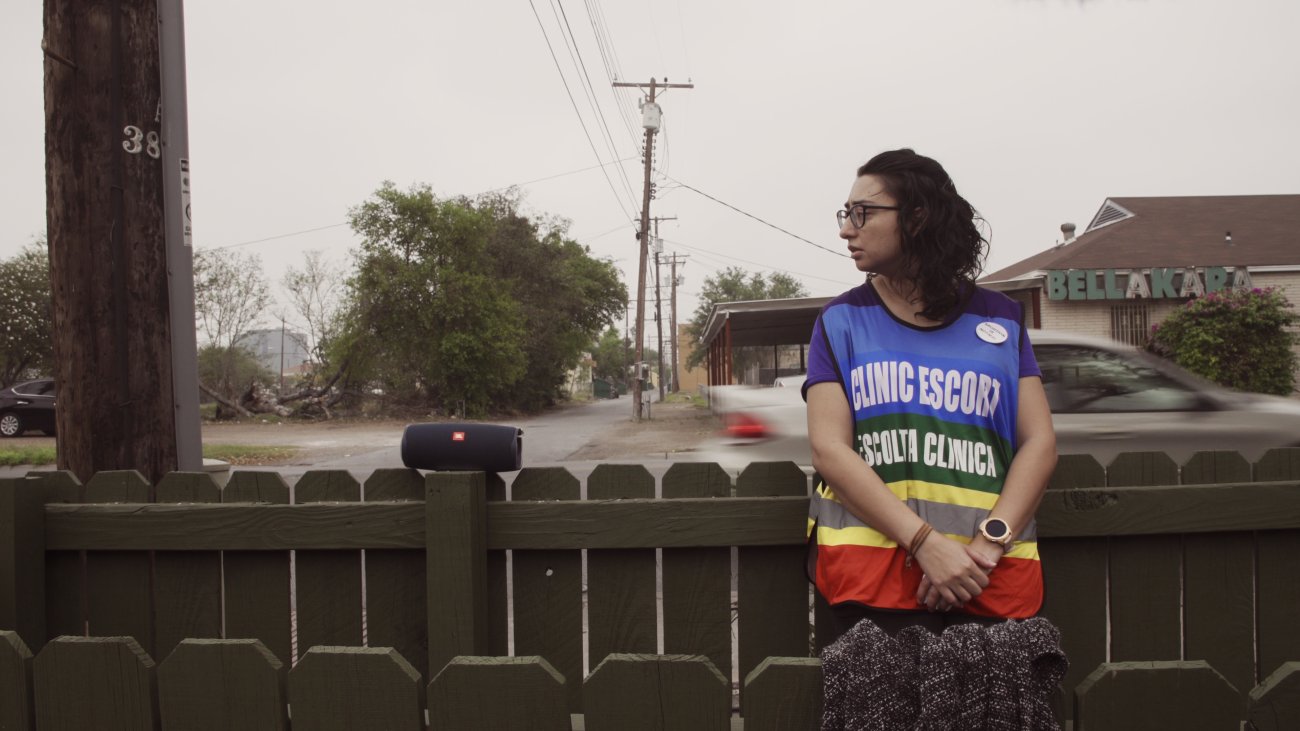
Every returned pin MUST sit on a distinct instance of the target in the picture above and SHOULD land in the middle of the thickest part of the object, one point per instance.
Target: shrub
(1238, 338)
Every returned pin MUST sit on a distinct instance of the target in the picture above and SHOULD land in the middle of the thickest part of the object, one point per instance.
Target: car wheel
(11, 424)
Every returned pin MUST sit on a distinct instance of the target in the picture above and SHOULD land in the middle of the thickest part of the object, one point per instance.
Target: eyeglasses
(858, 213)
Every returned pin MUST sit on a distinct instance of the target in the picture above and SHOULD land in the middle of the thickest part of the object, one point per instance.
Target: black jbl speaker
(477, 447)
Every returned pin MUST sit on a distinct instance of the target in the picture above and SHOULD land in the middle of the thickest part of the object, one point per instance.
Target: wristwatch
(998, 531)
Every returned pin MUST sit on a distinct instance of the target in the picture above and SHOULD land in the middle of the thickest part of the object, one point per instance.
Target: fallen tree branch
(224, 401)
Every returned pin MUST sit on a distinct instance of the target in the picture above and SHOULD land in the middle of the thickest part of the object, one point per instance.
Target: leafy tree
(1239, 338)
(458, 301)
(26, 344)
(734, 284)
(612, 355)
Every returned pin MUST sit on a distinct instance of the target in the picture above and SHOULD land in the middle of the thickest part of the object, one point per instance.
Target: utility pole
(675, 258)
(116, 182)
(659, 320)
(650, 116)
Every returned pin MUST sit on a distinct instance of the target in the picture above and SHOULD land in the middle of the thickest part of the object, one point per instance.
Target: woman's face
(875, 245)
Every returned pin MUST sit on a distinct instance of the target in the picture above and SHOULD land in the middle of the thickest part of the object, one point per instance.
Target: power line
(757, 264)
(571, 43)
(756, 218)
(573, 102)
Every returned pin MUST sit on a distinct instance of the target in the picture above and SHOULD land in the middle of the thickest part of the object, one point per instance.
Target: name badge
(991, 332)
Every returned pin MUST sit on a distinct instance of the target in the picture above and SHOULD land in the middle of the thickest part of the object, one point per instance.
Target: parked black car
(27, 405)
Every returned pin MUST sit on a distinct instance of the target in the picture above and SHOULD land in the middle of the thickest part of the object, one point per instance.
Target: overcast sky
(1040, 109)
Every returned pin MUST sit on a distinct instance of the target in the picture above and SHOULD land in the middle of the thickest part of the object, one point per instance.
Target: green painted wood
(580, 524)
(187, 584)
(346, 688)
(1278, 464)
(1173, 510)
(697, 581)
(468, 694)
(498, 603)
(22, 559)
(119, 599)
(65, 598)
(1077, 470)
(222, 685)
(784, 694)
(1274, 705)
(1219, 605)
(1140, 696)
(548, 588)
(1215, 468)
(456, 508)
(773, 594)
(328, 582)
(1141, 468)
(101, 683)
(396, 610)
(1074, 599)
(257, 582)
(632, 692)
(16, 712)
(621, 592)
(1278, 595)
(1145, 598)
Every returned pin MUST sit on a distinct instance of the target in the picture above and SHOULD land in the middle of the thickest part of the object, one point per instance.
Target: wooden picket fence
(439, 603)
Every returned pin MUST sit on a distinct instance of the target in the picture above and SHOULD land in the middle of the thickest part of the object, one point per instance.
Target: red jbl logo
(458, 436)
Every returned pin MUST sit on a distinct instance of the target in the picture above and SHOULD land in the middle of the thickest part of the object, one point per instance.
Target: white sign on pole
(186, 224)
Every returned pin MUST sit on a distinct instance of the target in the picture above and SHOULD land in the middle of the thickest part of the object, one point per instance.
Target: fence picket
(621, 582)
(1274, 705)
(187, 584)
(1219, 605)
(632, 692)
(784, 694)
(15, 683)
(104, 683)
(328, 582)
(1077, 470)
(498, 609)
(1074, 583)
(548, 588)
(773, 597)
(1277, 587)
(1138, 696)
(1215, 468)
(222, 685)
(118, 592)
(697, 581)
(22, 559)
(1145, 597)
(1131, 469)
(346, 688)
(396, 608)
(1278, 464)
(468, 694)
(65, 597)
(257, 582)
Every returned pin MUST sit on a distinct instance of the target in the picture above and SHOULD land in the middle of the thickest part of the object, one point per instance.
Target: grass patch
(245, 454)
(14, 456)
(235, 454)
(685, 397)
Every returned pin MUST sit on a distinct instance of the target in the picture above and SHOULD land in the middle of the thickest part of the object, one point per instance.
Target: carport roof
(765, 322)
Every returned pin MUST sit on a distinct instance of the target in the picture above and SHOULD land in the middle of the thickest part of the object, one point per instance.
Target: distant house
(279, 351)
(1139, 259)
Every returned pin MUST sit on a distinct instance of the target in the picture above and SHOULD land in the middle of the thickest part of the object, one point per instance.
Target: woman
(929, 426)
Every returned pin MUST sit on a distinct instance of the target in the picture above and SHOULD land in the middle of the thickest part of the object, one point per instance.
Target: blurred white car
(1106, 398)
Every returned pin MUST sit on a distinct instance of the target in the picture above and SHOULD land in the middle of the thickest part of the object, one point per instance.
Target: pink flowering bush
(1236, 338)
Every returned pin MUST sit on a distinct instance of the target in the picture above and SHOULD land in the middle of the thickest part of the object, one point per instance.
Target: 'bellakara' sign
(1154, 283)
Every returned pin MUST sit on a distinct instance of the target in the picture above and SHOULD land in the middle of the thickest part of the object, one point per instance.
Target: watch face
(996, 528)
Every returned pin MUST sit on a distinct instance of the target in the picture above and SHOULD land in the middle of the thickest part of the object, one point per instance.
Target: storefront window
(1130, 323)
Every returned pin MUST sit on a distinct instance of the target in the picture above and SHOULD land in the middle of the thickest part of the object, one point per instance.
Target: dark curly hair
(942, 246)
